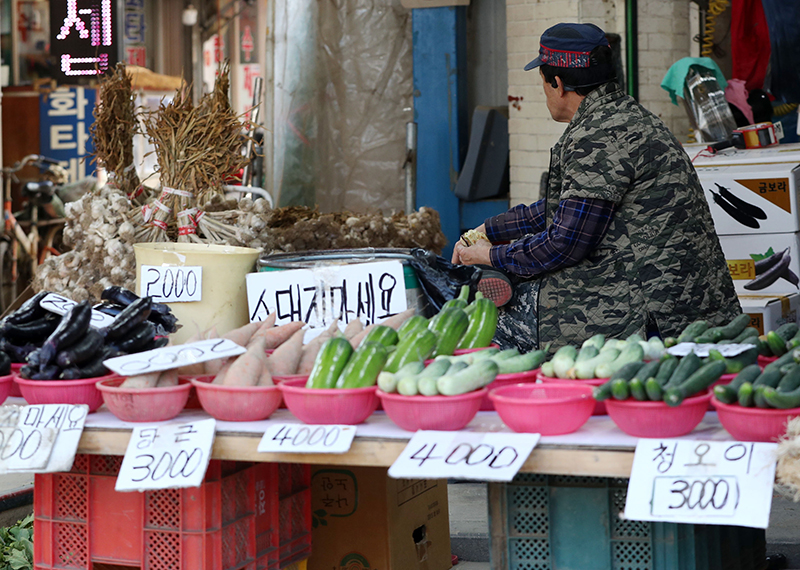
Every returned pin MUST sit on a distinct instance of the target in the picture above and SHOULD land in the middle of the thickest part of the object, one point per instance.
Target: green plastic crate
(541, 522)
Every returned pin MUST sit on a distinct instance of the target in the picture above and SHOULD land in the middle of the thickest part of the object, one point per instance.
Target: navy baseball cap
(568, 45)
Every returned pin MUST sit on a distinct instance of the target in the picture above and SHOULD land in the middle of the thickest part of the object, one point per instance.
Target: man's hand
(477, 254)
(455, 260)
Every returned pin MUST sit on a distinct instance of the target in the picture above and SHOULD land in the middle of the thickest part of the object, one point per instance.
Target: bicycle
(39, 195)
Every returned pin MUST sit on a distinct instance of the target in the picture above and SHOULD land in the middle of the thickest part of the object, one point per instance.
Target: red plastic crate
(294, 512)
(230, 522)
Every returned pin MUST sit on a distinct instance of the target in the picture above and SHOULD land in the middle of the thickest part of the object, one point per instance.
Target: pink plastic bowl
(15, 391)
(328, 405)
(548, 409)
(6, 385)
(458, 351)
(83, 391)
(656, 419)
(144, 404)
(237, 403)
(446, 413)
(599, 407)
(764, 360)
(753, 424)
(506, 380)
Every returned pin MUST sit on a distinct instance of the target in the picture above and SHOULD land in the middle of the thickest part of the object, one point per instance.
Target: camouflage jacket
(660, 264)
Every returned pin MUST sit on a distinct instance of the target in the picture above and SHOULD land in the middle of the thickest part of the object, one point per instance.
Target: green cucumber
(769, 377)
(596, 341)
(728, 393)
(745, 395)
(700, 380)
(731, 330)
(387, 336)
(735, 364)
(776, 344)
(413, 324)
(415, 347)
(438, 367)
(449, 327)
(691, 331)
(687, 366)
(482, 324)
(762, 346)
(364, 365)
(331, 360)
(647, 371)
(665, 369)
(563, 360)
(387, 381)
(602, 392)
(521, 363)
(636, 387)
(782, 400)
(460, 301)
(746, 335)
(782, 360)
(793, 342)
(654, 390)
(790, 381)
(508, 353)
(620, 389)
(467, 380)
(408, 386)
(586, 353)
(547, 369)
(427, 386)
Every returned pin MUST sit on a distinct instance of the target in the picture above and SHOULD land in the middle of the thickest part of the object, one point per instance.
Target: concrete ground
(469, 526)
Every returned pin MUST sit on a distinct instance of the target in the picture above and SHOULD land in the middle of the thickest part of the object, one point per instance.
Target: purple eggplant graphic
(772, 268)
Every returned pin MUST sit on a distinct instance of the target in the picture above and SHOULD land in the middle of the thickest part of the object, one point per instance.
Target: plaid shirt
(579, 225)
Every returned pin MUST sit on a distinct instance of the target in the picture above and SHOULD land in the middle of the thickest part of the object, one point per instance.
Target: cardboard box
(767, 312)
(767, 191)
(432, 3)
(364, 520)
(743, 251)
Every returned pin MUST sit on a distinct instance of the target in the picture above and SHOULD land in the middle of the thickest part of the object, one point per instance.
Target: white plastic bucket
(224, 291)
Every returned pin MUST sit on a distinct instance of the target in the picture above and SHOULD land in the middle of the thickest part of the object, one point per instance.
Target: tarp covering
(343, 94)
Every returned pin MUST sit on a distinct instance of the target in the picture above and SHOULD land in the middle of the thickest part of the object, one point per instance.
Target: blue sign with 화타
(65, 116)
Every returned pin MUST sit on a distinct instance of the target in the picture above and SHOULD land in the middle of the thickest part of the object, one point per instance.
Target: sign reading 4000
(370, 292)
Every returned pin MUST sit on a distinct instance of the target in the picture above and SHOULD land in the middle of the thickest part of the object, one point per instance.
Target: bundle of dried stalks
(113, 130)
(788, 470)
(197, 148)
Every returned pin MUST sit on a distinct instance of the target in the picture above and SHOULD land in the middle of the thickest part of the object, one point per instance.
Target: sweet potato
(311, 349)
(276, 336)
(353, 328)
(356, 340)
(214, 366)
(241, 336)
(168, 378)
(220, 377)
(286, 357)
(266, 375)
(141, 381)
(247, 369)
(396, 320)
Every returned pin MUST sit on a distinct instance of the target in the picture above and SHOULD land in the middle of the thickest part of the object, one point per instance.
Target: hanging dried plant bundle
(113, 130)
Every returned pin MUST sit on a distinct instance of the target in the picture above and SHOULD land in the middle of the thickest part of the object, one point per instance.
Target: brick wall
(663, 39)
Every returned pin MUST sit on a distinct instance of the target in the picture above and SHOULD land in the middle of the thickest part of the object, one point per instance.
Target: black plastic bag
(440, 280)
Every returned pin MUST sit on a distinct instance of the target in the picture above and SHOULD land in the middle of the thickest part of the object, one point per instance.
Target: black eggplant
(49, 372)
(125, 297)
(31, 332)
(763, 265)
(734, 212)
(141, 335)
(95, 367)
(135, 313)
(770, 276)
(168, 321)
(18, 354)
(73, 326)
(158, 342)
(29, 311)
(81, 351)
(745, 207)
(112, 309)
(5, 364)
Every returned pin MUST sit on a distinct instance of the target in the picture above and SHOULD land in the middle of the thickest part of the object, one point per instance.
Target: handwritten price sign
(702, 482)
(41, 438)
(461, 455)
(60, 305)
(297, 438)
(172, 284)
(173, 356)
(167, 456)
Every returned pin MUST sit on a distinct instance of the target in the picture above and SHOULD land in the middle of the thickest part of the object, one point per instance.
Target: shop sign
(702, 482)
(464, 455)
(299, 438)
(60, 305)
(41, 438)
(85, 37)
(371, 292)
(170, 455)
(170, 357)
(65, 116)
(135, 28)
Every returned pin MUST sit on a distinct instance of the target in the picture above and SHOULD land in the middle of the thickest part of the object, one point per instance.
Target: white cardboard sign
(170, 357)
(299, 438)
(701, 350)
(702, 482)
(172, 283)
(40, 439)
(371, 292)
(464, 455)
(60, 305)
(169, 455)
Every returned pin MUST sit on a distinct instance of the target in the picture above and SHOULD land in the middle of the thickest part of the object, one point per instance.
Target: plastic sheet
(343, 93)
(440, 280)
(709, 109)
